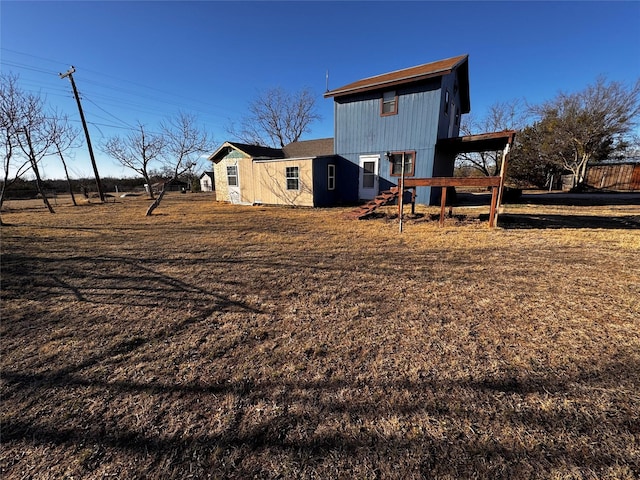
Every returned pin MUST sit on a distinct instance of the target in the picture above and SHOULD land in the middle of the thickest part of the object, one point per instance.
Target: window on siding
(446, 102)
(232, 175)
(389, 103)
(293, 178)
(396, 163)
(331, 177)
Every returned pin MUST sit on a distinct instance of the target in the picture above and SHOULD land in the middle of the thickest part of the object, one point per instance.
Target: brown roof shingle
(400, 77)
(309, 148)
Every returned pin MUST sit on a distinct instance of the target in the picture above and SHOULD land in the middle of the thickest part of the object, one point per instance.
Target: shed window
(232, 175)
(331, 177)
(389, 103)
(395, 159)
(293, 178)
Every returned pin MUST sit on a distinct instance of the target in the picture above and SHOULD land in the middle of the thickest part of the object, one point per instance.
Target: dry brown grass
(218, 341)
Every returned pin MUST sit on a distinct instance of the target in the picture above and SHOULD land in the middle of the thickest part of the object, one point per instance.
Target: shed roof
(309, 148)
(412, 75)
(253, 151)
(302, 149)
(482, 142)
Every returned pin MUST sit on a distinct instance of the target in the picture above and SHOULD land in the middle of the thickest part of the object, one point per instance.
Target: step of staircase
(384, 198)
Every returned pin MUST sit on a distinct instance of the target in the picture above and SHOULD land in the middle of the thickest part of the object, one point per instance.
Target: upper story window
(395, 158)
(389, 103)
(446, 102)
(293, 178)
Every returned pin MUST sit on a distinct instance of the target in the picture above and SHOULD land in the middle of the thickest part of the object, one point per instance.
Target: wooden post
(492, 212)
(86, 131)
(413, 201)
(443, 201)
(503, 173)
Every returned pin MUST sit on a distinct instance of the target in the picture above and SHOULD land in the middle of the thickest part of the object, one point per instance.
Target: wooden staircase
(384, 198)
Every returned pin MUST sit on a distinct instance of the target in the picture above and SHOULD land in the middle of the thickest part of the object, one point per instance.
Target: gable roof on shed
(412, 75)
(253, 151)
(321, 147)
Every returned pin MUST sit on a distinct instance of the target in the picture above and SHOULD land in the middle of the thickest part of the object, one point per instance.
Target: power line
(111, 87)
(151, 107)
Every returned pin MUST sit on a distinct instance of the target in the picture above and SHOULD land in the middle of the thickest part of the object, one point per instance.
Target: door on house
(233, 184)
(368, 184)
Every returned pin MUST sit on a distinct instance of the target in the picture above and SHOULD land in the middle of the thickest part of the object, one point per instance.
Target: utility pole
(69, 74)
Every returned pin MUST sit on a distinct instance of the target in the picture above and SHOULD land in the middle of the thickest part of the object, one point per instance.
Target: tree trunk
(34, 166)
(583, 170)
(156, 203)
(66, 172)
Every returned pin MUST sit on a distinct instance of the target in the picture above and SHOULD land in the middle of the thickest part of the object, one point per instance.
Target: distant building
(207, 182)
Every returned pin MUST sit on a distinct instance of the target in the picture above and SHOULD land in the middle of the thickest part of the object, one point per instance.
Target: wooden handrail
(444, 182)
(452, 182)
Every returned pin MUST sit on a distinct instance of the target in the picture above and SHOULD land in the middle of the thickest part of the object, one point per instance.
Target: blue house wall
(346, 176)
(428, 109)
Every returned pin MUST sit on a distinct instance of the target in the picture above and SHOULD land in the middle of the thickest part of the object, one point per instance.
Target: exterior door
(368, 183)
(233, 184)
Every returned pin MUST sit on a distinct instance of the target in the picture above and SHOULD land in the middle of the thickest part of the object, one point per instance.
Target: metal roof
(409, 75)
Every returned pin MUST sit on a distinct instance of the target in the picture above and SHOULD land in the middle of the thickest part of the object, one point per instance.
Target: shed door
(233, 184)
(368, 183)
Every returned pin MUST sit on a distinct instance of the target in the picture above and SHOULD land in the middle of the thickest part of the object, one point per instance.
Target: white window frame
(292, 174)
(232, 175)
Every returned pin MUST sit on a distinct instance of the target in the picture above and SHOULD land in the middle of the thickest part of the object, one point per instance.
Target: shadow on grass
(586, 199)
(356, 434)
(541, 221)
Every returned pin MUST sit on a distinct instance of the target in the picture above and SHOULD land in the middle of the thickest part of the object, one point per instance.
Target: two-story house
(384, 120)
(407, 119)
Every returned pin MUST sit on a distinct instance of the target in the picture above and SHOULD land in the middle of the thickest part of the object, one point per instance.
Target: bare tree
(35, 139)
(588, 125)
(137, 151)
(277, 118)
(27, 133)
(64, 138)
(12, 108)
(501, 116)
(184, 145)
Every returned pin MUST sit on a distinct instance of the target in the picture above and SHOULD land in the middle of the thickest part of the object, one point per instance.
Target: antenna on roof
(327, 80)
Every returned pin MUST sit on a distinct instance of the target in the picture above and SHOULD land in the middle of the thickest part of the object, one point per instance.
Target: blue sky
(145, 61)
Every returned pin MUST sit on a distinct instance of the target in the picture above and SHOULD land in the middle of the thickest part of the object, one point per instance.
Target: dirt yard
(219, 341)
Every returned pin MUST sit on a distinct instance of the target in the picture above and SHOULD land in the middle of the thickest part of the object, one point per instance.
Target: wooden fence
(623, 176)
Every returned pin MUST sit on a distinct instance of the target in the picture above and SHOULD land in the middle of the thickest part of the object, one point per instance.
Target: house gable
(412, 75)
